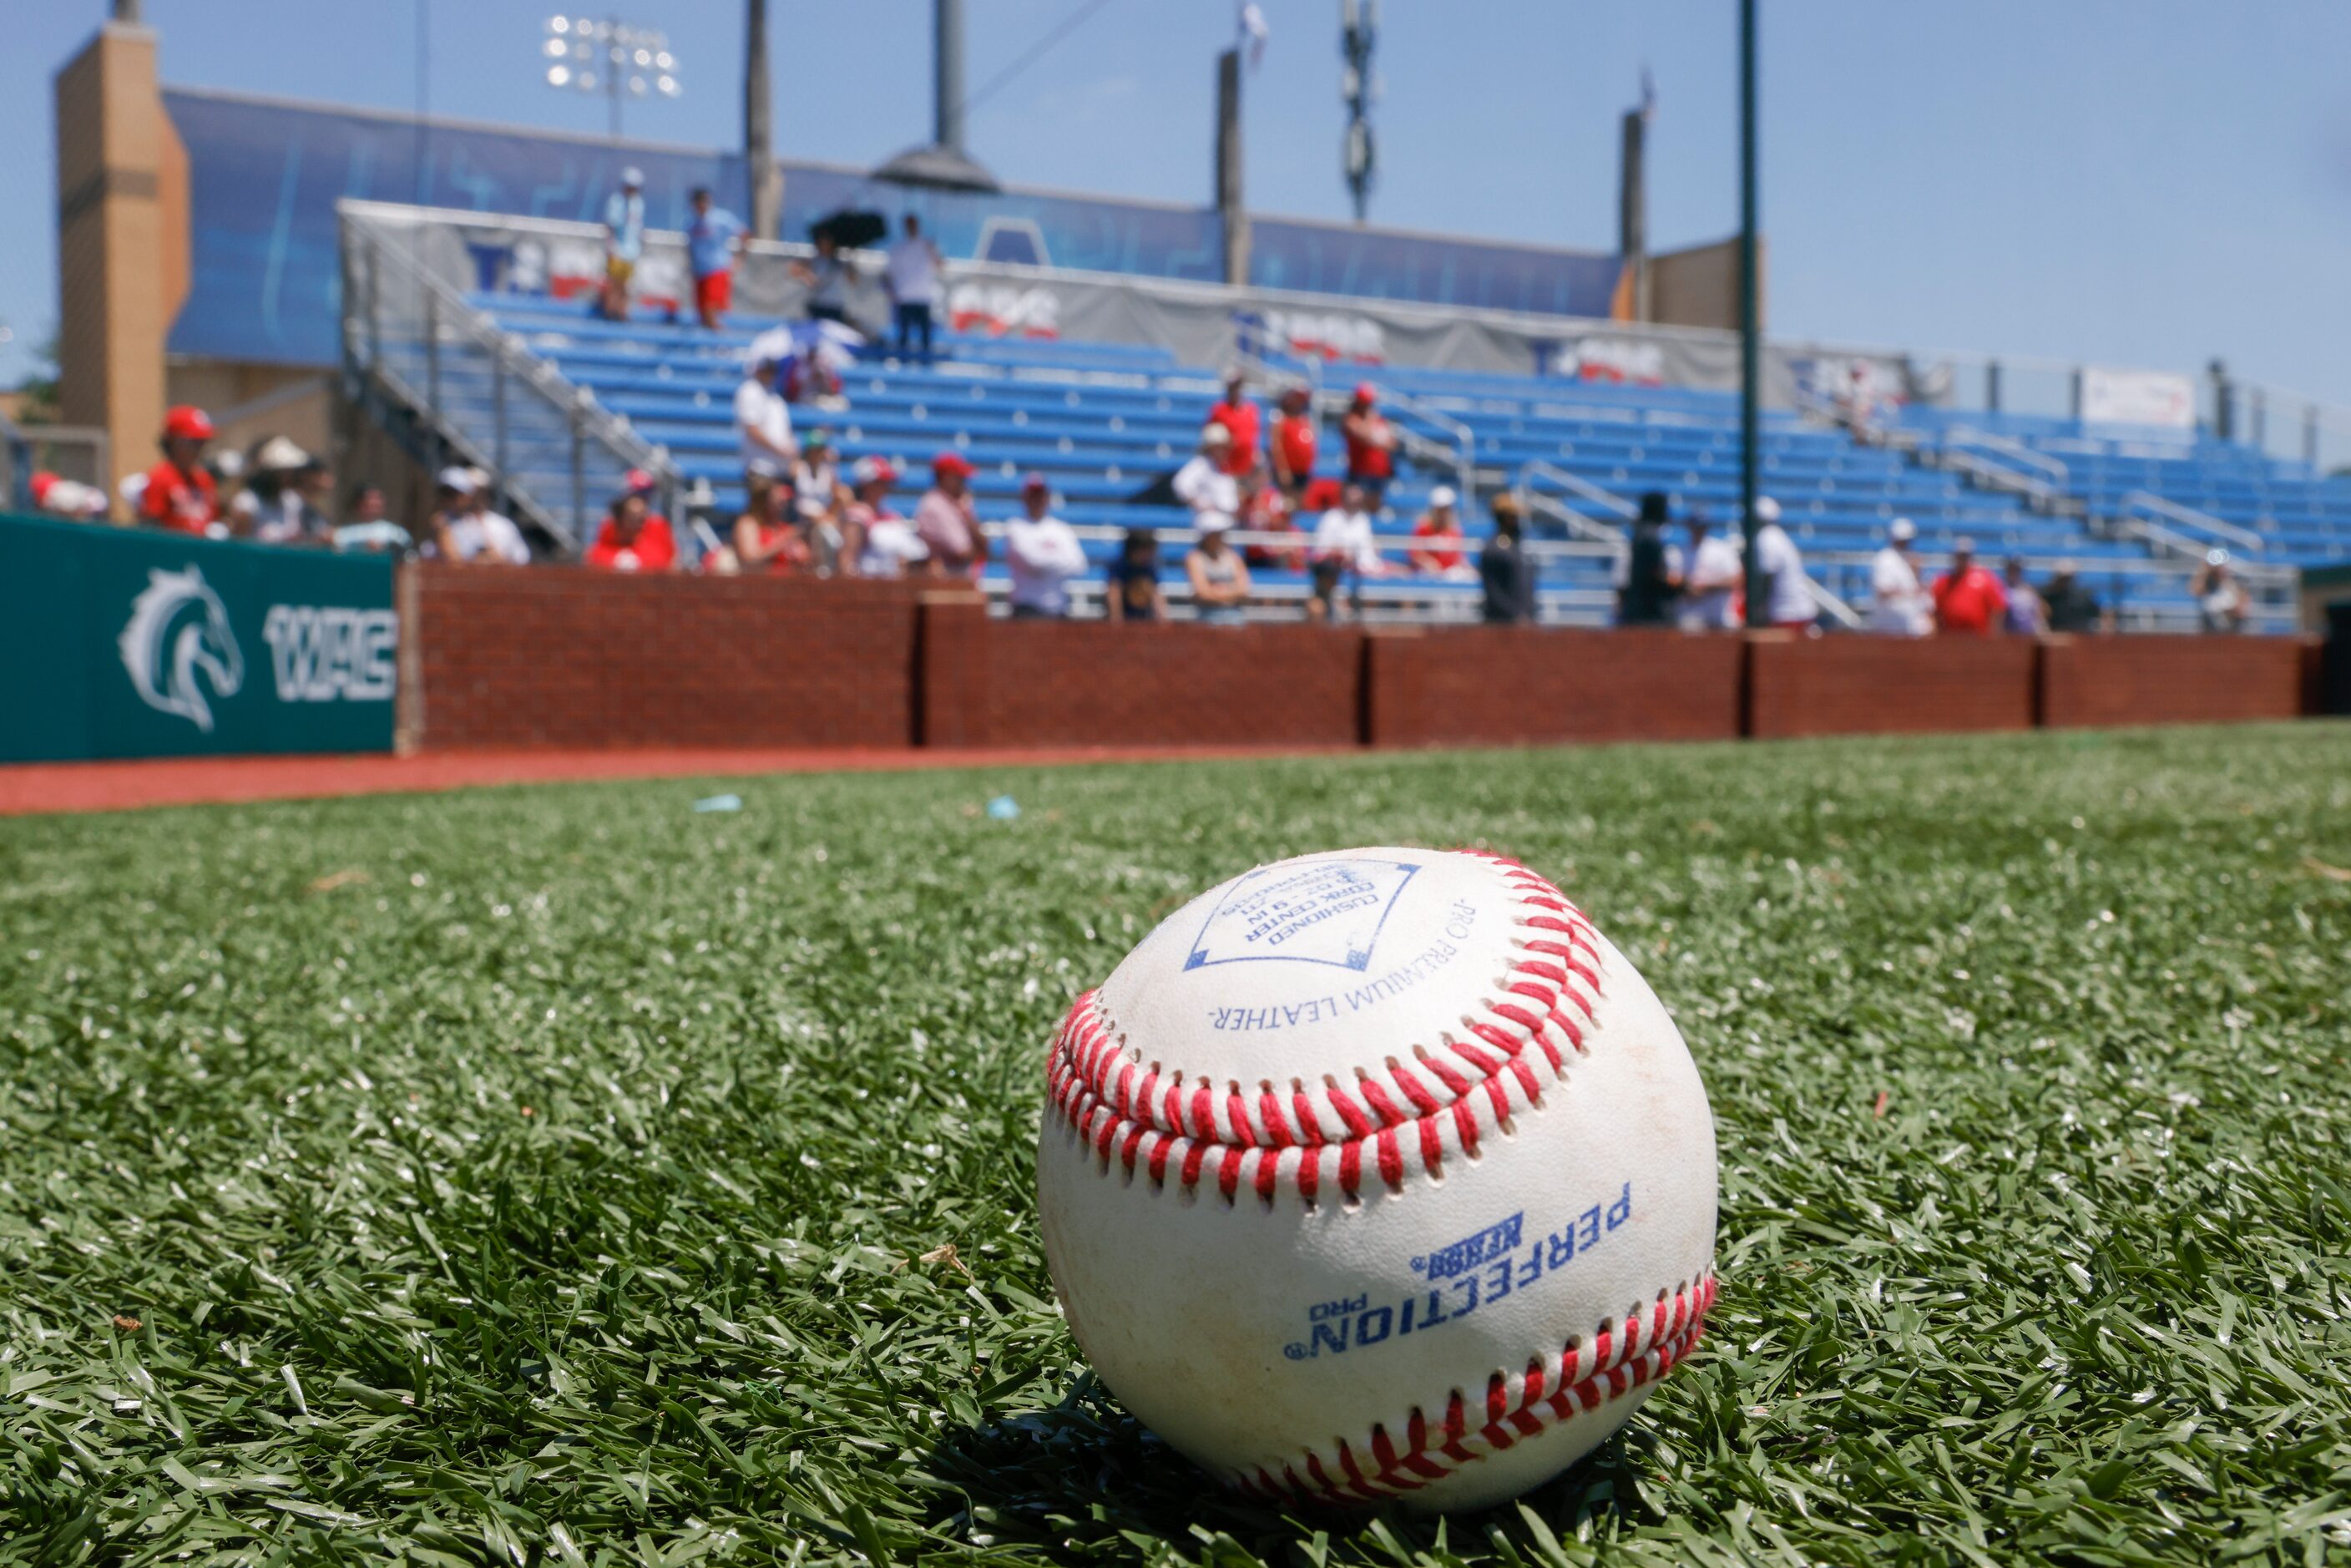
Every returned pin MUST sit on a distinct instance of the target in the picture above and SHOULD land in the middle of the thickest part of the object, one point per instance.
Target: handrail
(511, 361)
(1992, 476)
(2009, 447)
(2189, 516)
(1462, 458)
(1607, 500)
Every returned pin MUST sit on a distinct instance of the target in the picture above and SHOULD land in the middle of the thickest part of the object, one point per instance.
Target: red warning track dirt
(34, 786)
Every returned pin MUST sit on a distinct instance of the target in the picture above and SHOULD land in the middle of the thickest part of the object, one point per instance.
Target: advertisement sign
(2137, 397)
(135, 642)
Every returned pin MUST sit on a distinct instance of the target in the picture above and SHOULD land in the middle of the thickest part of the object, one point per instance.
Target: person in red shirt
(1969, 600)
(1370, 443)
(181, 494)
(1440, 526)
(1265, 510)
(1295, 439)
(632, 538)
(768, 535)
(1240, 417)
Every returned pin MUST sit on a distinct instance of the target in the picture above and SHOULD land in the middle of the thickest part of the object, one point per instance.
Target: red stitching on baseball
(1114, 1101)
(1586, 1375)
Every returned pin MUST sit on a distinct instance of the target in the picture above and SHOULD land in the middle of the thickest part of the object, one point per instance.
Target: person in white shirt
(913, 277)
(470, 530)
(1044, 554)
(763, 421)
(1899, 604)
(1711, 575)
(1789, 595)
(1204, 484)
(883, 543)
(1345, 533)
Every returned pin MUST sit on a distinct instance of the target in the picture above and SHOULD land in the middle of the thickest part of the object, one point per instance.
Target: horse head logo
(178, 631)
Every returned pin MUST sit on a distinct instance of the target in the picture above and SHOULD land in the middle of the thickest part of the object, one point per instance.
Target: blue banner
(266, 174)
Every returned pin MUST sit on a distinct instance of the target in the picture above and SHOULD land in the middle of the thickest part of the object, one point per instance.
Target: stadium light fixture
(612, 58)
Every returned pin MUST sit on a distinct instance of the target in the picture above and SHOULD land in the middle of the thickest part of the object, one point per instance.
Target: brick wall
(2091, 681)
(1525, 686)
(1887, 685)
(561, 656)
(1091, 683)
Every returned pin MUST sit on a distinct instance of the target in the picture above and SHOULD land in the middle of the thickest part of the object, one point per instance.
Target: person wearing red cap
(633, 539)
(1241, 420)
(181, 494)
(1044, 554)
(1295, 438)
(946, 520)
(880, 542)
(1370, 443)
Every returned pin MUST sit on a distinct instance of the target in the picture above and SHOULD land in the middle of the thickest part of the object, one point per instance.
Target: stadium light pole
(608, 57)
(1749, 344)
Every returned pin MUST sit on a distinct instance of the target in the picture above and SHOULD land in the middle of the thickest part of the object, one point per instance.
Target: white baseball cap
(458, 479)
(1213, 522)
(1767, 510)
(1215, 435)
(1442, 496)
(632, 177)
(1902, 530)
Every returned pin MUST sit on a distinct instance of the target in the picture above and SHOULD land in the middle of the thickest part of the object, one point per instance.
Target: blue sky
(2143, 183)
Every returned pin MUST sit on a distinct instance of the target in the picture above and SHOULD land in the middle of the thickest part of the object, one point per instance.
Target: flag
(1253, 31)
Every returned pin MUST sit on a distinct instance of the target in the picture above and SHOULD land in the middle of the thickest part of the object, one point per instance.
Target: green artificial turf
(559, 1175)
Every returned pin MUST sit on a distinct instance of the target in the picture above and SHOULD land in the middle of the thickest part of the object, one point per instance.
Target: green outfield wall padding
(132, 642)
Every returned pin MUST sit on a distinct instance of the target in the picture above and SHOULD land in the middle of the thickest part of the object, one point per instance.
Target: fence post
(579, 472)
(2259, 401)
(1991, 386)
(374, 315)
(498, 409)
(2310, 435)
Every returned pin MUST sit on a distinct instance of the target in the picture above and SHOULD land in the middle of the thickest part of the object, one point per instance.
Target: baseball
(1379, 1173)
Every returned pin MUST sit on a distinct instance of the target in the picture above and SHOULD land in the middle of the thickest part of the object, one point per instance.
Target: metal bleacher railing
(442, 377)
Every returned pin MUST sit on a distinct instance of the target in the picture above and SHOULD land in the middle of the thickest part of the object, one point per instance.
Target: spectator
(1323, 605)
(1267, 510)
(368, 526)
(1787, 591)
(624, 241)
(1221, 578)
(1345, 533)
(763, 419)
(816, 474)
(1135, 593)
(1295, 440)
(1651, 575)
(768, 535)
(912, 279)
(1206, 483)
(714, 240)
(181, 494)
(59, 498)
(1370, 443)
(1442, 552)
(2071, 606)
(1899, 604)
(632, 538)
(276, 505)
(2025, 616)
(1712, 579)
(947, 522)
(1504, 572)
(470, 530)
(878, 539)
(1241, 421)
(1969, 600)
(1044, 554)
(2221, 600)
(829, 278)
